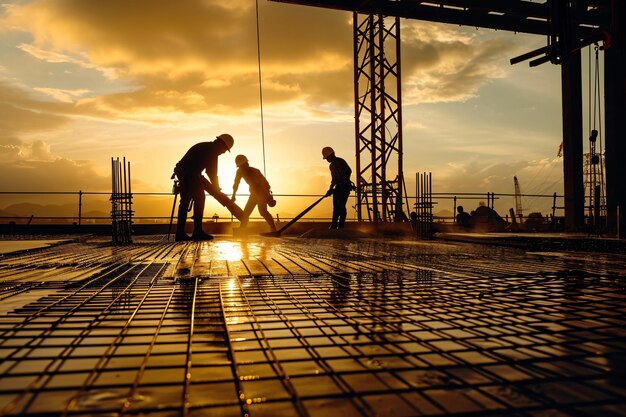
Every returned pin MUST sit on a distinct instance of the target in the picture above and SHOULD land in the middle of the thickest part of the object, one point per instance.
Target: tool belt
(270, 200)
(178, 173)
(176, 188)
(177, 176)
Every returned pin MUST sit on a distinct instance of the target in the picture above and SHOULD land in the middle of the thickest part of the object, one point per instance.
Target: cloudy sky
(82, 81)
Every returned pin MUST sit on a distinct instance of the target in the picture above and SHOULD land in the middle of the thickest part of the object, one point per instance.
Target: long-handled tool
(222, 198)
(295, 219)
(175, 191)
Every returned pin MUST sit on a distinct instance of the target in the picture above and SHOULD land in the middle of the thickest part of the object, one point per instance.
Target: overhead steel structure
(568, 25)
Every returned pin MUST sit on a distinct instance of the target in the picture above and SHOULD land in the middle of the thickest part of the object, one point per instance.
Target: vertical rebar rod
(130, 201)
(430, 204)
(125, 197)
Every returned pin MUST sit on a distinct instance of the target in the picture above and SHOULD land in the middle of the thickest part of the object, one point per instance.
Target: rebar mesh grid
(297, 327)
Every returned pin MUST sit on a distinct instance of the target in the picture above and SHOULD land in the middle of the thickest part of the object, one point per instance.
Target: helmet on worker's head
(240, 160)
(327, 151)
(227, 139)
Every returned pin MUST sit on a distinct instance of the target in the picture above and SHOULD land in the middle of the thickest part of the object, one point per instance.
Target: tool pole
(169, 229)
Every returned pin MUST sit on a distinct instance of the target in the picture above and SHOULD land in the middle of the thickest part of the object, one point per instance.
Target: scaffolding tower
(378, 116)
(595, 197)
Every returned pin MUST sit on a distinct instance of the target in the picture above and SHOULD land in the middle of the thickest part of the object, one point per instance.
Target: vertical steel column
(398, 214)
(571, 83)
(372, 81)
(357, 112)
(378, 117)
(615, 131)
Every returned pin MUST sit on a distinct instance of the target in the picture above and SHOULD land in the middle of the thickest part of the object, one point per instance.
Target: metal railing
(552, 205)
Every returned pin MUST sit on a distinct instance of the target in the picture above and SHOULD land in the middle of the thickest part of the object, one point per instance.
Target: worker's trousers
(340, 199)
(191, 189)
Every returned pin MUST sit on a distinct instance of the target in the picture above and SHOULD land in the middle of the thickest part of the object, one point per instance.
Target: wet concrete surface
(311, 327)
(9, 246)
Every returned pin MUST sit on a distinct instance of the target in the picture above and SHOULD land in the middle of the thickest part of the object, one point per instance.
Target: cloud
(193, 64)
(15, 150)
(57, 57)
(196, 56)
(498, 177)
(22, 113)
(539, 177)
(200, 56)
(31, 166)
(66, 96)
(442, 65)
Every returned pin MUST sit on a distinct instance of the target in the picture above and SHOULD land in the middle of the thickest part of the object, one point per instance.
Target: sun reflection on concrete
(232, 286)
(224, 250)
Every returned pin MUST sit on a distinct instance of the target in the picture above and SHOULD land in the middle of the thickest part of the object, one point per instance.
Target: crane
(518, 198)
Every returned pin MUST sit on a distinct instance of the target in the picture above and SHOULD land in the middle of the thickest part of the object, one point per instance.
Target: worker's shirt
(200, 157)
(340, 172)
(255, 179)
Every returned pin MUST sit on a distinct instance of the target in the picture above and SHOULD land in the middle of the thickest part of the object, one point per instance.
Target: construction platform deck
(310, 327)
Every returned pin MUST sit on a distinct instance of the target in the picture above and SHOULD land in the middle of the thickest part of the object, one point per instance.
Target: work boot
(200, 235)
(182, 237)
(342, 222)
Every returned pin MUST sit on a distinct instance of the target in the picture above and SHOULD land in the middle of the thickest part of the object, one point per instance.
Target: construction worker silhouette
(340, 186)
(463, 218)
(260, 194)
(201, 157)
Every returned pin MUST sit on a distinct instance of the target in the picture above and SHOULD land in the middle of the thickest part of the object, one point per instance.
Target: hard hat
(227, 139)
(240, 160)
(327, 151)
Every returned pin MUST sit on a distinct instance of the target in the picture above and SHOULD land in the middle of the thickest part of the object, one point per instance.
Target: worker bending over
(201, 157)
(260, 194)
(340, 186)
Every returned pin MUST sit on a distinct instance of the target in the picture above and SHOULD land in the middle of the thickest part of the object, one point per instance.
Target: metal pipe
(80, 206)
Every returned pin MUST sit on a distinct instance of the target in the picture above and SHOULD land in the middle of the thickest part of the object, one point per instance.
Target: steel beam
(615, 132)
(510, 15)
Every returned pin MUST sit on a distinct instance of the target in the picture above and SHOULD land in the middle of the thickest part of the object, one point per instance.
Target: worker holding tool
(260, 194)
(201, 157)
(340, 186)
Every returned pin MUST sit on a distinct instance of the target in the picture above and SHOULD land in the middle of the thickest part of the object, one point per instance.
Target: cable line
(258, 49)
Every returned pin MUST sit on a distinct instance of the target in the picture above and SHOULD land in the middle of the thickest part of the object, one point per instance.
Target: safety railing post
(80, 206)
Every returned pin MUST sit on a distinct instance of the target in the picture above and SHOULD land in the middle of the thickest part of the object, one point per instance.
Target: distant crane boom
(518, 198)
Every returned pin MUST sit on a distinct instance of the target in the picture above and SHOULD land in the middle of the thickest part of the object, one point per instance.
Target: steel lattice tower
(378, 116)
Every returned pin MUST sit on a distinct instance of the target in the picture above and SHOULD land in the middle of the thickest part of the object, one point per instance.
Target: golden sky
(82, 81)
